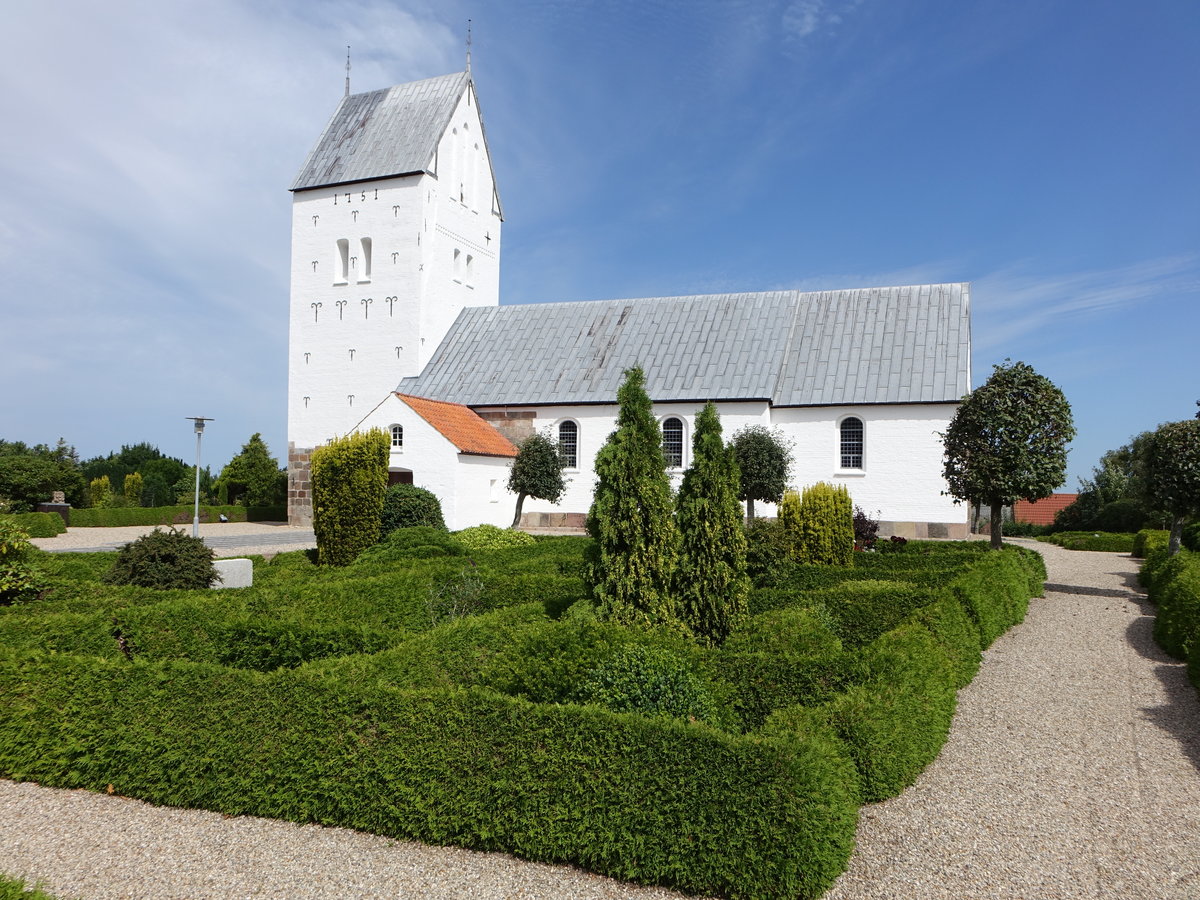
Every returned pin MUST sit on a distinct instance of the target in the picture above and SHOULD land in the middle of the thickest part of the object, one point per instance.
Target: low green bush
(266, 646)
(38, 525)
(896, 720)
(995, 592)
(164, 560)
(651, 681)
(107, 517)
(410, 542)
(766, 551)
(408, 506)
(1175, 590)
(20, 578)
(1191, 537)
(761, 683)
(802, 631)
(653, 800)
(490, 537)
(1105, 542)
(863, 610)
(1148, 539)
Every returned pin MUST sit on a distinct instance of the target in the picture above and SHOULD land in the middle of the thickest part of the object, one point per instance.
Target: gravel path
(226, 538)
(1072, 771)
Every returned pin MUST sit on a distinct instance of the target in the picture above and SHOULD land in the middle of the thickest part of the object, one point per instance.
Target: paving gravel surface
(1072, 771)
(228, 539)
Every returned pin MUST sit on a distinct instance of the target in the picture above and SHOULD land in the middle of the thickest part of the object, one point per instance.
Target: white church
(396, 323)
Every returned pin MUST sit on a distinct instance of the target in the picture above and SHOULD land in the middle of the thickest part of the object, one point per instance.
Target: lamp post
(199, 422)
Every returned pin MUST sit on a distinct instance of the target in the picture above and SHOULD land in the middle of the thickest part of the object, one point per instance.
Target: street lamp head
(199, 422)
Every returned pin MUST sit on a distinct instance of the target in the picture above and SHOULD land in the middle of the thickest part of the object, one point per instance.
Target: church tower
(395, 230)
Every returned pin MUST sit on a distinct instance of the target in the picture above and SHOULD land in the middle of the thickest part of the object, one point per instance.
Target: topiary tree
(1172, 467)
(100, 492)
(764, 459)
(349, 480)
(253, 477)
(133, 489)
(165, 560)
(826, 525)
(630, 562)
(409, 506)
(1008, 441)
(536, 472)
(711, 586)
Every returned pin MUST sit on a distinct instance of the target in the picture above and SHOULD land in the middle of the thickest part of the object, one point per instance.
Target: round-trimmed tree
(1008, 441)
(1172, 472)
(710, 579)
(633, 553)
(764, 459)
(536, 472)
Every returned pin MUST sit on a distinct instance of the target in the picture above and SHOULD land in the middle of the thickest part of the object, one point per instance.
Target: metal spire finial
(347, 70)
(468, 46)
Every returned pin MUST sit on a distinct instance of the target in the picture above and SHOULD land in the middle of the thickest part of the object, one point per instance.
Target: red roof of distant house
(461, 426)
(1041, 512)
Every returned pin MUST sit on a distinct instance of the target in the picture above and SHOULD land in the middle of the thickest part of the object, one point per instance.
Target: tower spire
(468, 46)
(347, 70)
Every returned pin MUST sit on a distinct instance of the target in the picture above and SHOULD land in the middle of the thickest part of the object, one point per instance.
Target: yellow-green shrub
(349, 480)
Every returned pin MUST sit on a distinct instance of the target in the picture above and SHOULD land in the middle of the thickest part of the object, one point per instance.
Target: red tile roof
(1041, 512)
(461, 426)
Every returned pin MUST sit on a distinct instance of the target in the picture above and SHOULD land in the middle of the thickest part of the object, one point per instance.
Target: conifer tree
(349, 480)
(711, 586)
(631, 560)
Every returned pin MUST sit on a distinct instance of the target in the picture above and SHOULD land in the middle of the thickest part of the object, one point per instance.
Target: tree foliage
(1008, 441)
(633, 553)
(30, 475)
(1115, 497)
(409, 506)
(536, 472)
(253, 477)
(1172, 464)
(349, 480)
(20, 579)
(155, 467)
(764, 459)
(711, 586)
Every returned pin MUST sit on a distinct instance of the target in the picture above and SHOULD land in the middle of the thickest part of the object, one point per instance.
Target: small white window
(851, 443)
(568, 444)
(397, 437)
(494, 492)
(364, 273)
(470, 276)
(672, 429)
(458, 266)
(343, 262)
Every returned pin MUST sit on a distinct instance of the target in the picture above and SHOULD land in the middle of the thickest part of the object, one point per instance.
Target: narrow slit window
(458, 265)
(343, 252)
(364, 273)
(673, 442)
(568, 445)
(470, 276)
(852, 443)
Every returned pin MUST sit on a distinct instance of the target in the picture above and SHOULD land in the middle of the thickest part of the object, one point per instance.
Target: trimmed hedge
(1176, 591)
(737, 816)
(1148, 539)
(172, 515)
(995, 592)
(1103, 541)
(38, 525)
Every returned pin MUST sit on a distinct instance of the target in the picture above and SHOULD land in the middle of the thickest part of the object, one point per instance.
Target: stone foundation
(299, 498)
(554, 523)
(921, 531)
(516, 425)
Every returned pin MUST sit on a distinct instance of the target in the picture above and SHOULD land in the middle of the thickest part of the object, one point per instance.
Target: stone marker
(235, 573)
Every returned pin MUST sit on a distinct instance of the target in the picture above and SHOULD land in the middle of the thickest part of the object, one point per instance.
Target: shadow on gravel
(1091, 591)
(1179, 715)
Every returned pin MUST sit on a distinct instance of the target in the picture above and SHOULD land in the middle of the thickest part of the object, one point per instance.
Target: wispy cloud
(803, 18)
(1015, 302)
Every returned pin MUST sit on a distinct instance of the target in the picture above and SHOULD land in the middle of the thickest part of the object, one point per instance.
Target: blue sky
(1044, 151)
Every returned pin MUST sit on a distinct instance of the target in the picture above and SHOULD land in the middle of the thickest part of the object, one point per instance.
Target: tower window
(343, 257)
(470, 276)
(364, 273)
(397, 437)
(568, 444)
(457, 269)
(852, 443)
(672, 429)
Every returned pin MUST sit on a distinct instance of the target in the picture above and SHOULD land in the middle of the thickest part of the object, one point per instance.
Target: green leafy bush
(826, 534)
(491, 537)
(1088, 540)
(863, 610)
(415, 542)
(1149, 539)
(654, 800)
(164, 560)
(651, 681)
(408, 506)
(349, 480)
(20, 579)
(767, 557)
(172, 515)
(38, 525)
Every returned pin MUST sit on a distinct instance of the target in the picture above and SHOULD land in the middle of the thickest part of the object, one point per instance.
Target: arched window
(672, 429)
(568, 444)
(397, 437)
(852, 443)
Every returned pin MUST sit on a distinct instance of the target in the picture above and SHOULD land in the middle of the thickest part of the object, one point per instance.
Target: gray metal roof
(872, 345)
(379, 134)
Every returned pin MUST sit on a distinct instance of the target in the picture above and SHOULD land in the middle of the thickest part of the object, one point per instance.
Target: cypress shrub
(349, 480)
(710, 578)
(826, 535)
(408, 506)
(633, 556)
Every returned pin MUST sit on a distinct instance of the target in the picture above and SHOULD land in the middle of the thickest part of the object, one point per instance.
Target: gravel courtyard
(1072, 771)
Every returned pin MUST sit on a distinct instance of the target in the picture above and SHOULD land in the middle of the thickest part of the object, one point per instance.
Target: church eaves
(384, 133)
(791, 348)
